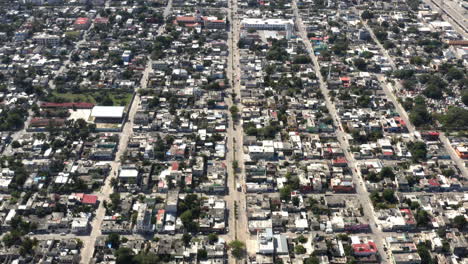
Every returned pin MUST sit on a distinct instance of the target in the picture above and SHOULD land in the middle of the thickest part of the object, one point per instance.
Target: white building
(80, 225)
(269, 24)
(269, 244)
(46, 39)
(6, 177)
(107, 114)
(265, 241)
(128, 175)
(143, 222)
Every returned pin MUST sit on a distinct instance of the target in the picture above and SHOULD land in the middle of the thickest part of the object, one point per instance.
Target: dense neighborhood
(233, 131)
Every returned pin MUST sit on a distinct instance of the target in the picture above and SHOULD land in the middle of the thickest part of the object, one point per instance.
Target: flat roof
(270, 21)
(81, 20)
(107, 111)
(128, 173)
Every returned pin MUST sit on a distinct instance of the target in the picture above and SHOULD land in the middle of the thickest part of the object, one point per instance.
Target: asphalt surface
(89, 242)
(235, 199)
(402, 112)
(377, 235)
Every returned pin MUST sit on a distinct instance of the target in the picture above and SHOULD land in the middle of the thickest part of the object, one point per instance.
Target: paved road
(453, 13)
(76, 47)
(237, 226)
(361, 191)
(18, 134)
(402, 112)
(89, 242)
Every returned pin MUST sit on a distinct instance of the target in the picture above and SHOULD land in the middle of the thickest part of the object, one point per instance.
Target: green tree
(414, 205)
(387, 172)
(455, 118)
(381, 34)
(113, 240)
(213, 238)
(186, 238)
(115, 200)
(301, 59)
(417, 60)
(413, 4)
(234, 113)
(15, 144)
(433, 91)
(301, 239)
(299, 249)
(445, 246)
(388, 44)
(11, 238)
(389, 196)
(312, 260)
(124, 255)
(146, 258)
(459, 222)
(237, 248)
(367, 15)
(360, 64)
(27, 246)
(285, 193)
(296, 201)
(422, 218)
(424, 253)
(418, 150)
(454, 74)
(107, 101)
(202, 254)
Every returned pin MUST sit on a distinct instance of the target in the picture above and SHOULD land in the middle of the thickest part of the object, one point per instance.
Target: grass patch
(98, 98)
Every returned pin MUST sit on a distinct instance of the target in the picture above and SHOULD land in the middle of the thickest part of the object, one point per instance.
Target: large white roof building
(268, 24)
(107, 112)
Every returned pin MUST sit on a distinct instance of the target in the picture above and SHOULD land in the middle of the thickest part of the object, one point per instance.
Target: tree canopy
(237, 248)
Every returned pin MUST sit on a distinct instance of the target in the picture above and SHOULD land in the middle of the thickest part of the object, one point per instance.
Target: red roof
(160, 214)
(432, 133)
(340, 160)
(344, 79)
(41, 122)
(188, 180)
(433, 182)
(81, 21)
(216, 21)
(192, 25)
(101, 20)
(369, 248)
(408, 215)
(175, 166)
(67, 105)
(399, 119)
(186, 18)
(89, 199)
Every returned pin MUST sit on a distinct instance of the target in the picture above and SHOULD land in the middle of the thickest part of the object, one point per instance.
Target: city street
(402, 112)
(361, 191)
(235, 199)
(234, 132)
(90, 241)
(452, 12)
